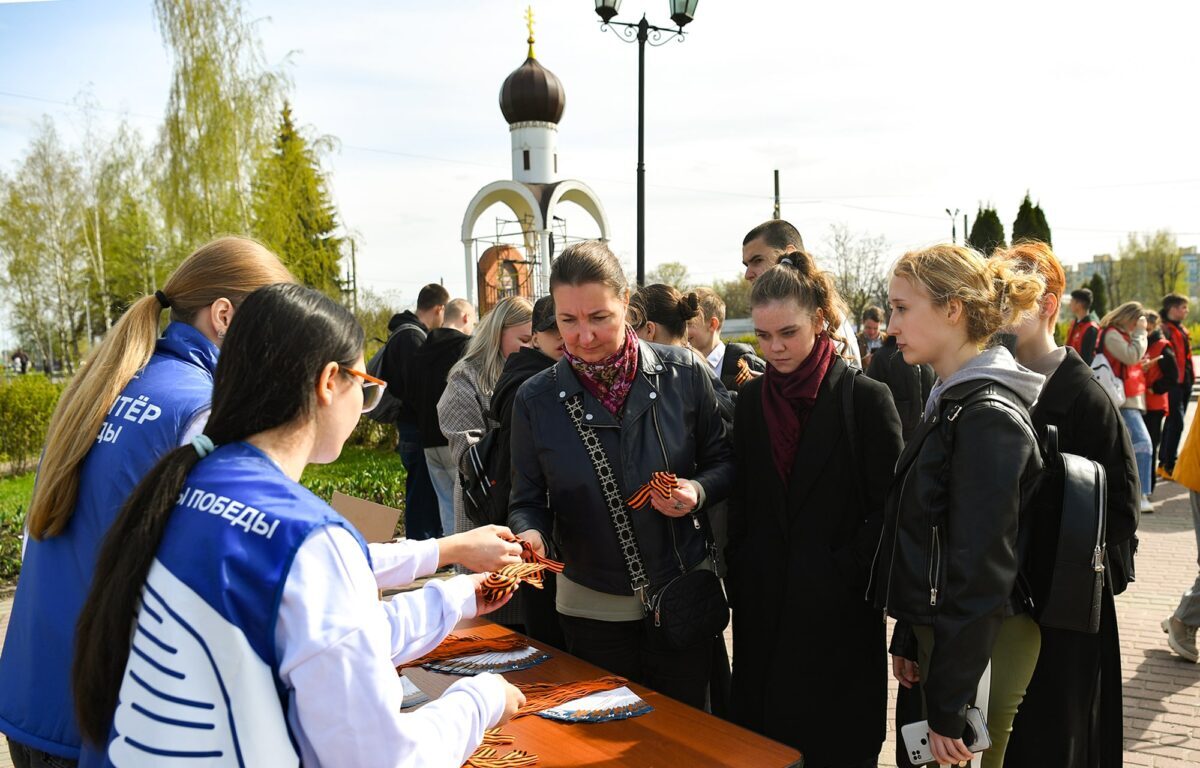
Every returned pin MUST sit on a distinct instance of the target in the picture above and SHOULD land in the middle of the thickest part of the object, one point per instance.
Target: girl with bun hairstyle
(956, 526)
(814, 447)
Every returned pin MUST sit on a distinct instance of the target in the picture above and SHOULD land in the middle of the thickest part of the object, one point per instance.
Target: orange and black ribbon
(662, 483)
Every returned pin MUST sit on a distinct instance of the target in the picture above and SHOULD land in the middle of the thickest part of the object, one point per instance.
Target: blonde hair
(228, 267)
(483, 351)
(993, 292)
(1123, 315)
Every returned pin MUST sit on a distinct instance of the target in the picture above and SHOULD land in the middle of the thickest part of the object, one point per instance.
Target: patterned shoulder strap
(617, 510)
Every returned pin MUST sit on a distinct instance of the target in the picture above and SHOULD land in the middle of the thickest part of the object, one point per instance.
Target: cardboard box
(376, 522)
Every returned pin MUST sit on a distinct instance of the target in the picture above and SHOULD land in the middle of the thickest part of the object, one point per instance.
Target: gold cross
(529, 23)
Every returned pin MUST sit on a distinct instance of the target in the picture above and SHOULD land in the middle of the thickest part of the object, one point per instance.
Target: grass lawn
(369, 473)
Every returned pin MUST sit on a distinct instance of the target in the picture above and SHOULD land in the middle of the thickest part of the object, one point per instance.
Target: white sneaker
(1181, 637)
(1147, 506)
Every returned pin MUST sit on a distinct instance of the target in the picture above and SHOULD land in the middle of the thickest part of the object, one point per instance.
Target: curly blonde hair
(994, 293)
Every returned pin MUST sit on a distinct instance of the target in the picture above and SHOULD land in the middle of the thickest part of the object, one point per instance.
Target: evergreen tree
(987, 233)
(1099, 295)
(1030, 223)
(293, 213)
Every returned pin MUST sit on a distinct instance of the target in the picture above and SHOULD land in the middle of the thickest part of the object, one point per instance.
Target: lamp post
(953, 222)
(682, 12)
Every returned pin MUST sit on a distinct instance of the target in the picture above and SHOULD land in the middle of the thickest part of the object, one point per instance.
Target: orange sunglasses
(372, 389)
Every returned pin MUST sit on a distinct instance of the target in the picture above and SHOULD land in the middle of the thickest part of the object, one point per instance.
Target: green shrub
(368, 473)
(14, 499)
(26, 404)
(372, 434)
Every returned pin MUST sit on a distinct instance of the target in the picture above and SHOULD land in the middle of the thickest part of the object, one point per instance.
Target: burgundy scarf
(788, 399)
(609, 380)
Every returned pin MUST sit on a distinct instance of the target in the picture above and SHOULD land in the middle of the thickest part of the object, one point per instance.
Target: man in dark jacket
(1085, 328)
(910, 384)
(443, 348)
(704, 334)
(1174, 312)
(408, 331)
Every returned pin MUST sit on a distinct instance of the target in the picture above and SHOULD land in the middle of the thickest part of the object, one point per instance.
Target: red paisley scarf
(609, 380)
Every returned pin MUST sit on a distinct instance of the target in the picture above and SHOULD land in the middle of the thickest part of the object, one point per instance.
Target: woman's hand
(513, 700)
(683, 500)
(906, 671)
(487, 548)
(535, 540)
(949, 751)
(482, 607)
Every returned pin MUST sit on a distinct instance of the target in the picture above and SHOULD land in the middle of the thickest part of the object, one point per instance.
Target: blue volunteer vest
(147, 421)
(202, 682)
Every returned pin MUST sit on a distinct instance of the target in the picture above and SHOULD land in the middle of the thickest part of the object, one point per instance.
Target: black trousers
(1172, 432)
(627, 649)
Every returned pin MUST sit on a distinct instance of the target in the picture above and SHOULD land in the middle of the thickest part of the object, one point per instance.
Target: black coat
(397, 365)
(670, 422)
(519, 368)
(1071, 715)
(809, 666)
(729, 364)
(432, 361)
(910, 384)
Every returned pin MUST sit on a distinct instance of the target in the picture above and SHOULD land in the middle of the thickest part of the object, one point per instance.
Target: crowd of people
(184, 596)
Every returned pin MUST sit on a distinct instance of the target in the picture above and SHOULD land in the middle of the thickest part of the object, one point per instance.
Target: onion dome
(532, 92)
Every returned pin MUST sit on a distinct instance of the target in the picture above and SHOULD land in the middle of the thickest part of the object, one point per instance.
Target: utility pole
(776, 216)
(965, 230)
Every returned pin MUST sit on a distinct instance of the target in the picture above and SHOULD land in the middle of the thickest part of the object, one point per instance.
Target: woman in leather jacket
(652, 408)
(953, 541)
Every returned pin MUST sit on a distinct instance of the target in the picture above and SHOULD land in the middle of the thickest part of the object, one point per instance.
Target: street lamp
(682, 12)
(953, 232)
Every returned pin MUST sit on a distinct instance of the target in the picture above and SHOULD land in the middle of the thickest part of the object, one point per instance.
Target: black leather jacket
(670, 422)
(953, 538)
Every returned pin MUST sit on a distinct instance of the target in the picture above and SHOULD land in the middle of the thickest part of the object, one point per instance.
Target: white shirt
(716, 358)
(337, 645)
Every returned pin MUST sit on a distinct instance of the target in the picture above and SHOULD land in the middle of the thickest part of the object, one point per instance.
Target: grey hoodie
(996, 364)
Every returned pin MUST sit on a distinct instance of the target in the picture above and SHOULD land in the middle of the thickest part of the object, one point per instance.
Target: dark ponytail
(665, 306)
(281, 338)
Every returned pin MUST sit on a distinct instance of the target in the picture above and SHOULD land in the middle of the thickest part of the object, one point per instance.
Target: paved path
(1162, 692)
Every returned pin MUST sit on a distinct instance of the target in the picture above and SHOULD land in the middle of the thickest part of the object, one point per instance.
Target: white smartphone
(916, 737)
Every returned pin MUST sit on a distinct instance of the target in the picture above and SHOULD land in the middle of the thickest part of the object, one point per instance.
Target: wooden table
(673, 735)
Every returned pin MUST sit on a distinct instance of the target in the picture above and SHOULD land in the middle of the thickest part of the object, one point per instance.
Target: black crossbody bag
(690, 608)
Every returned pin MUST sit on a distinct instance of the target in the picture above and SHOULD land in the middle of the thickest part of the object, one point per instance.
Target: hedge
(26, 404)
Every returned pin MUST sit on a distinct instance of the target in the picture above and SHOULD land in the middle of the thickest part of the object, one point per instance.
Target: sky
(878, 115)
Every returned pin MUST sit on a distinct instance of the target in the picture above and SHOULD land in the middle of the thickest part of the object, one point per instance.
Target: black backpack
(388, 410)
(1070, 599)
(477, 477)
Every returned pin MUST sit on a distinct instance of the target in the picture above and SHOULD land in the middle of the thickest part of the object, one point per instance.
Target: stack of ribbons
(487, 756)
(584, 701)
(471, 654)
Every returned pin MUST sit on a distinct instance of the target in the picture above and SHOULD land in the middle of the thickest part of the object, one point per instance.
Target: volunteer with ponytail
(1123, 342)
(137, 397)
(807, 505)
(272, 648)
(955, 524)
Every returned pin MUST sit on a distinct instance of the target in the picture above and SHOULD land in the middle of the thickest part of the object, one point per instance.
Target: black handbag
(691, 608)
